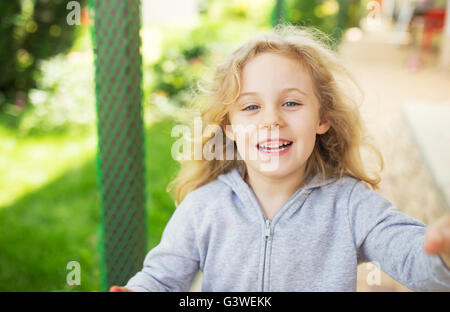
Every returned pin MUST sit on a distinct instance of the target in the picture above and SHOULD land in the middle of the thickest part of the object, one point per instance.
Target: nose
(271, 118)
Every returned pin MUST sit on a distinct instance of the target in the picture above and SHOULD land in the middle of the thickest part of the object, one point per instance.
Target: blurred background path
(393, 76)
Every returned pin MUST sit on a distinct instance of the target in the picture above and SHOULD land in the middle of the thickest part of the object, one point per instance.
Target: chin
(277, 172)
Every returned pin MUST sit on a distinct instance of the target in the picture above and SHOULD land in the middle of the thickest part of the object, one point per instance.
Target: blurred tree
(175, 73)
(30, 30)
(330, 16)
(10, 10)
(279, 13)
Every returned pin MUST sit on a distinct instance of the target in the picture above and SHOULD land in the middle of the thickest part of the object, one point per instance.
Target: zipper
(266, 240)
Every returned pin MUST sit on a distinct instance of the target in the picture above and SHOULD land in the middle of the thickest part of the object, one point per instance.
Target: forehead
(267, 71)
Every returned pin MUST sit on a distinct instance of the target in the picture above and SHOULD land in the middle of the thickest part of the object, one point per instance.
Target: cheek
(305, 129)
(308, 145)
(304, 124)
(305, 145)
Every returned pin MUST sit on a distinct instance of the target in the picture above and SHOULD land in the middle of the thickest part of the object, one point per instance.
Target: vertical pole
(279, 11)
(120, 154)
(342, 19)
(279, 14)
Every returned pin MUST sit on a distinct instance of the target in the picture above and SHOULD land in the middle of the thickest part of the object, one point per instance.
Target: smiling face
(276, 116)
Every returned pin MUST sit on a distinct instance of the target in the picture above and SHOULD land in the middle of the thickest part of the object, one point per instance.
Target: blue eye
(293, 104)
(251, 107)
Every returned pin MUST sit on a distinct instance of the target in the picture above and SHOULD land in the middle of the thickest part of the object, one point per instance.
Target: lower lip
(277, 153)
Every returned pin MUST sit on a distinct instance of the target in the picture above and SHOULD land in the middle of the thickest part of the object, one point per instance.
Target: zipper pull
(267, 233)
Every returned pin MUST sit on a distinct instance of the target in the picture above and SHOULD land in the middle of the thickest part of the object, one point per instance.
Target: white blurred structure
(406, 11)
(171, 12)
(445, 52)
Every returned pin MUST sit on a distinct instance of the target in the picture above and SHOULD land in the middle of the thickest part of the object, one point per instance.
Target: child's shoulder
(208, 193)
(214, 187)
(355, 188)
(332, 183)
(346, 182)
(348, 185)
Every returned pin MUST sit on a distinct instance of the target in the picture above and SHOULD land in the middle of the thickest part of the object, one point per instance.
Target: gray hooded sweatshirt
(313, 243)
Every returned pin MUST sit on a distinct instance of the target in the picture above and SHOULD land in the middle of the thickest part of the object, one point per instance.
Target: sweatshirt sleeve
(394, 241)
(174, 262)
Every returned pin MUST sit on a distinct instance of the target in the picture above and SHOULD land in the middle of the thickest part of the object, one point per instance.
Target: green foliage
(322, 14)
(186, 54)
(174, 74)
(10, 10)
(161, 168)
(30, 31)
(330, 16)
(59, 222)
(64, 98)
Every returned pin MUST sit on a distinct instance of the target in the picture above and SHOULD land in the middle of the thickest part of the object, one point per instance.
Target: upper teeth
(273, 145)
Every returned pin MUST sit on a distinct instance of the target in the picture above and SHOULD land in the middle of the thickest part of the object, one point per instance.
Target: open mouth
(275, 146)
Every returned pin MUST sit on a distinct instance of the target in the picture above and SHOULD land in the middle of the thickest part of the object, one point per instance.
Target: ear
(323, 127)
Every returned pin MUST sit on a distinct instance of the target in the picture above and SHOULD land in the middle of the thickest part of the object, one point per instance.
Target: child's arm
(394, 241)
(119, 289)
(173, 264)
(437, 239)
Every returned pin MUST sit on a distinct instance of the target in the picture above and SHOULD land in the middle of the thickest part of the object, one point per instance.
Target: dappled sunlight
(27, 164)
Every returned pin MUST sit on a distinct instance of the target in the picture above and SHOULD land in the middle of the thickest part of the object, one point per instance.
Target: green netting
(120, 156)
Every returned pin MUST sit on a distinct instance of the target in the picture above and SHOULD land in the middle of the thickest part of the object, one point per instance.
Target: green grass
(58, 222)
(26, 163)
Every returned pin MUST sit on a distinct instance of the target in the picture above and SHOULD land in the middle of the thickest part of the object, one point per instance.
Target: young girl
(303, 213)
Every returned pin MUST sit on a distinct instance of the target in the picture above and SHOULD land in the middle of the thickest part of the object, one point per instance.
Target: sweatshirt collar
(234, 179)
(245, 193)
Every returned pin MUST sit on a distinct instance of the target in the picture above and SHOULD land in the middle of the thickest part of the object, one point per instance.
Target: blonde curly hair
(337, 153)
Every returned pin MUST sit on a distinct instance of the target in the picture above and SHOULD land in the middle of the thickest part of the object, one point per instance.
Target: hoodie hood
(246, 194)
(234, 180)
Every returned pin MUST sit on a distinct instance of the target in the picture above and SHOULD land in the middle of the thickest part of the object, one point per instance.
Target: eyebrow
(285, 90)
